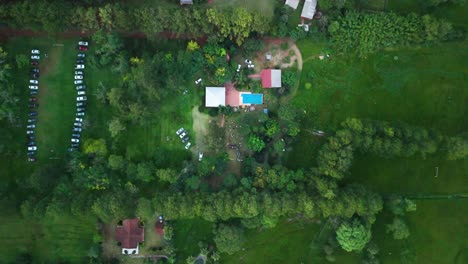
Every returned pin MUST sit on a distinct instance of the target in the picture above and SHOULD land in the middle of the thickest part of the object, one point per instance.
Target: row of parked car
(81, 99)
(32, 104)
(183, 134)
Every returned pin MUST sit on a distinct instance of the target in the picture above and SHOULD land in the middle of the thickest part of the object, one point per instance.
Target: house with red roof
(271, 78)
(129, 235)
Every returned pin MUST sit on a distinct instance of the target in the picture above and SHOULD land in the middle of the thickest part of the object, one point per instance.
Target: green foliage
(288, 78)
(116, 126)
(228, 239)
(251, 46)
(398, 228)
(116, 162)
(400, 205)
(457, 148)
(95, 146)
(255, 143)
(145, 171)
(167, 175)
(362, 33)
(353, 235)
(192, 45)
(106, 47)
(272, 128)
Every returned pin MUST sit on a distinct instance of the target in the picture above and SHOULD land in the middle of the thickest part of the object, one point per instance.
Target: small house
(271, 78)
(130, 234)
(292, 3)
(215, 96)
(308, 10)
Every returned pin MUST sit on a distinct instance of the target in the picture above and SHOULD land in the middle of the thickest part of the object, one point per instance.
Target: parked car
(33, 87)
(81, 98)
(77, 124)
(35, 75)
(75, 145)
(77, 119)
(72, 149)
(33, 92)
(35, 63)
(35, 57)
(32, 148)
(80, 109)
(183, 134)
(188, 145)
(200, 155)
(33, 105)
(31, 159)
(32, 99)
(80, 104)
(185, 139)
(31, 143)
(75, 140)
(35, 51)
(31, 153)
(78, 72)
(78, 77)
(32, 120)
(83, 48)
(32, 113)
(31, 126)
(239, 67)
(34, 81)
(81, 93)
(251, 66)
(83, 43)
(81, 55)
(79, 66)
(80, 61)
(78, 82)
(180, 130)
(29, 132)
(76, 135)
(198, 81)
(35, 70)
(80, 114)
(31, 137)
(77, 129)
(81, 87)
(248, 61)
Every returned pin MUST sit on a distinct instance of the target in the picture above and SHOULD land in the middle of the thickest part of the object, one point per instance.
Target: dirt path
(292, 46)
(200, 127)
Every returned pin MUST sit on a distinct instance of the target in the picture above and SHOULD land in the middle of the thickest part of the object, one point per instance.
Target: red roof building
(271, 78)
(130, 234)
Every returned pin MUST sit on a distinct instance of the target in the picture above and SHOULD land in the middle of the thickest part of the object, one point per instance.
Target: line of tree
(54, 16)
(363, 33)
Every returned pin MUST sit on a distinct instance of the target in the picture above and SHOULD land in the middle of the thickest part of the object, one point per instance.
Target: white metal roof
(275, 78)
(215, 96)
(292, 3)
(308, 11)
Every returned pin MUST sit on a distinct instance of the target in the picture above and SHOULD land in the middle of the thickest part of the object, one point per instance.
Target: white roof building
(215, 96)
(308, 10)
(292, 3)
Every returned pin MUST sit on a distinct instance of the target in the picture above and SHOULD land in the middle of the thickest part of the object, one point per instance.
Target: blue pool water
(252, 98)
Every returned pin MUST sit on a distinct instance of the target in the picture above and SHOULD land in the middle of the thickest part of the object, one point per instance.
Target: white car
(78, 72)
(35, 51)
(35, 57)
(34, 81)
(239, 67)
(79, 66)
(250, 66)
(33, 87)
(183, 134)
(179, 131)
(247, 61)
(80, 114)
(81, 93)
(188, 145)
(83, 43)
(198, 81)
(77, 124)
(81, 98)
(31, 126)
(78, 82)
(28, 132)
(75, 140)
(78, 77)
(200, 155)
(32, 148)
(79, 119)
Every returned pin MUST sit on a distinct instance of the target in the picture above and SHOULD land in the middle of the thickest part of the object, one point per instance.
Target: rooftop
(130, 233)
(215, 96)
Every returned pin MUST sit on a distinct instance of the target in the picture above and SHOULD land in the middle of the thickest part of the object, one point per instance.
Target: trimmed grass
(266, 7)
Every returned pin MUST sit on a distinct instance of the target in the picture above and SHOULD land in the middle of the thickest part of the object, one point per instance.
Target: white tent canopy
(308, 11)
(215, 96)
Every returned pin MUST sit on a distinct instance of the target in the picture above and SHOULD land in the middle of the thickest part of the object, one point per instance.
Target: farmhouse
(308, 10)
(129, 234)
(230, 96)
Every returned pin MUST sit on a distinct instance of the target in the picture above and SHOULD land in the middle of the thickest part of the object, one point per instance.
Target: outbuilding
(130, 234)
(215, 96)
(308, 10)
(271, 78)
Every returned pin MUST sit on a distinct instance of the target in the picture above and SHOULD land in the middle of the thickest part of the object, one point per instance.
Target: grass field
(187, 235)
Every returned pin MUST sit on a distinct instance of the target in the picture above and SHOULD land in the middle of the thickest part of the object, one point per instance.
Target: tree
(145, 171)
(116, 162)
(95, 146)
(353, 235)
(398, 228)
(168, 175)
(457, 148)
(288, 78)
(272, 128)
(228, 239)
(116, 126)
(255, 143)
(192, 45)
(400, 205)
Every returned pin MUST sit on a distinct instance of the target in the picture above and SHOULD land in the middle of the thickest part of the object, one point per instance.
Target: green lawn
(187, 235)
(266, 7)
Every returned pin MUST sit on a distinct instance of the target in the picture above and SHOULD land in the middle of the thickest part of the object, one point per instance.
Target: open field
(187, 235)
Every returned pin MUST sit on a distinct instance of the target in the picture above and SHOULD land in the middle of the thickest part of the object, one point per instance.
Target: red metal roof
(266, 78)
(130, 233)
